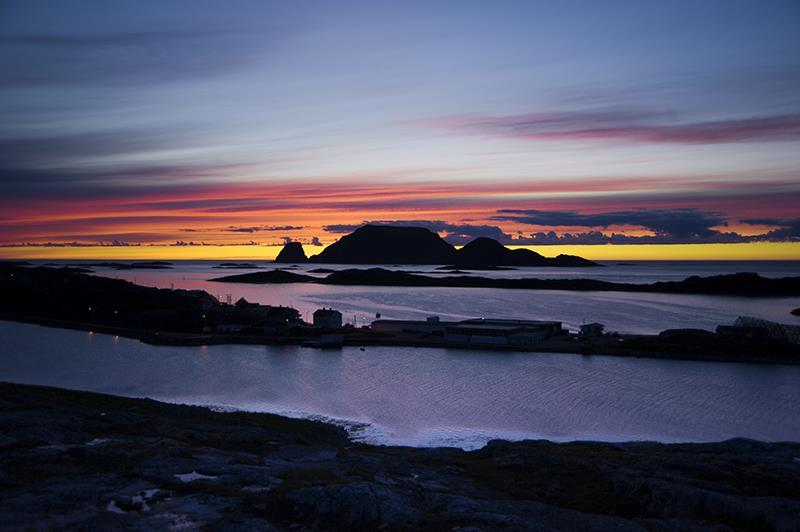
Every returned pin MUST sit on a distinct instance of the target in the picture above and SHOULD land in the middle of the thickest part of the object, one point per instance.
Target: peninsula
(65, 297)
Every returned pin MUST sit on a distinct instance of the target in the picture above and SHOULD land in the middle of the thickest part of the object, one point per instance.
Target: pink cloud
(627, 126)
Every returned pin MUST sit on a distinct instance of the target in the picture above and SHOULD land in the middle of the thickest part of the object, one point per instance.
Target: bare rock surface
(89, 461)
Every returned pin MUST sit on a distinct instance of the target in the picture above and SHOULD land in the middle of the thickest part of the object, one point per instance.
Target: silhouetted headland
(147, 265)
(385, 244)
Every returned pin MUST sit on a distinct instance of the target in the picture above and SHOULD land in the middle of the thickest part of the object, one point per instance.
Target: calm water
(620, 311)
(427, 396)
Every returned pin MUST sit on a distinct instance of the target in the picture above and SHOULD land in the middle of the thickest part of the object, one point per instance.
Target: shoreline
(553, 346)
(740, 284)
(73, 459)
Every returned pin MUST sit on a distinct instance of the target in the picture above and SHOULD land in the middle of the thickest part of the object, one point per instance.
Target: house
(592, 330)
(432, 325)
(761, 333)
(475, 331)
(502, 332)
(774, 331)
(327, 318)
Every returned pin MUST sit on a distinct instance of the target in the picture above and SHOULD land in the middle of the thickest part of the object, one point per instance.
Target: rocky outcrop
(268, 277)
(292, 253)
(385, 244)
(488, 252)
(78, 460)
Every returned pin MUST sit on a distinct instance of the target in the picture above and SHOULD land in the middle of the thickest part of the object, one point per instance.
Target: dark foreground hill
(77, 460)
(385, 244)
(70, 296)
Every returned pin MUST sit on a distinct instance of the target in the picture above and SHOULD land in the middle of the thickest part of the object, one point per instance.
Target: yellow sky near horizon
(734, 251)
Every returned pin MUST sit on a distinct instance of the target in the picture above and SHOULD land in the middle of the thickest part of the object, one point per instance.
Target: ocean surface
(625, 312)
(427, 397)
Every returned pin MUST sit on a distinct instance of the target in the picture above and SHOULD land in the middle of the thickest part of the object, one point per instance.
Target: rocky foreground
(81, 460)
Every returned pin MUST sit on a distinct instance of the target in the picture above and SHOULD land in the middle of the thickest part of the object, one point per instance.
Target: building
(478, 331)
(432, 325)
(327, 318)
(242, 303)
(760, 333)
(592, 330)
(503, 332)
(745, 325)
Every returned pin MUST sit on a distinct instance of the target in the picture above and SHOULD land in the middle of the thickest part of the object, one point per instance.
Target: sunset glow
(129, 136)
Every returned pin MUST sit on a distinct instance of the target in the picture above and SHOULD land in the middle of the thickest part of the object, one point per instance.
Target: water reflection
(428, 396)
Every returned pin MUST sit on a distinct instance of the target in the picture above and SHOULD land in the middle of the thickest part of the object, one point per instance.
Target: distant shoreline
(654, 346)
(69, 298)
(741, 284)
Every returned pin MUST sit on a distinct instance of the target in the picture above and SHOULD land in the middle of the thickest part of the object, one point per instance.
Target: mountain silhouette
(389, 244)
(485, 251)
(292, 252)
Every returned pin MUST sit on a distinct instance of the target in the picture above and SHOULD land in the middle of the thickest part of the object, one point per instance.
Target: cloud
(786, 230)
(136, 58)
(670, 226)
(66, 166)
(257, 228)
(680, 223)
(455, 233)
(598, 237)
(629, 126)
(74, 244)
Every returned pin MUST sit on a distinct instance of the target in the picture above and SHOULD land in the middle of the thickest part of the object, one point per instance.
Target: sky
(621, 129)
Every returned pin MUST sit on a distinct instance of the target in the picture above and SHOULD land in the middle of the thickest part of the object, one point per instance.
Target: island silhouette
(292, 253)
(388, 244)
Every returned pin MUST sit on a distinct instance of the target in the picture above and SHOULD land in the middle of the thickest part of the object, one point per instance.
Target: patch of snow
(194, 475)
(112, 507)
(222, 409)
(139, 500)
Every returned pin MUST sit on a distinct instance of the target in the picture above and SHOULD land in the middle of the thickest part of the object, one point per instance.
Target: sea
(448, 397)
